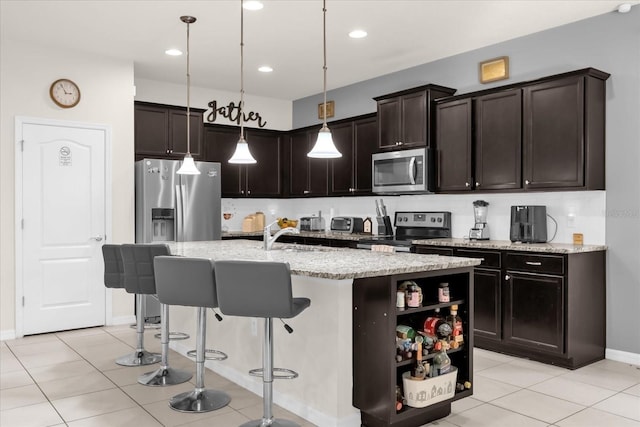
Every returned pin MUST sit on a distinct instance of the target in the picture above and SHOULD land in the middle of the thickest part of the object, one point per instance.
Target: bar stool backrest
(113, 268)
(185, 281)
(138, 266)
(255, 289)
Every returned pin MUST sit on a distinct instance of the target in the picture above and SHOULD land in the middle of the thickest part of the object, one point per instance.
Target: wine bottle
(457, 338)
(418, 372)
(437, 326)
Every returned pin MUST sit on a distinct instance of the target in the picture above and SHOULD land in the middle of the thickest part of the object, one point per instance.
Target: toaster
(347, 224)
(311, 223)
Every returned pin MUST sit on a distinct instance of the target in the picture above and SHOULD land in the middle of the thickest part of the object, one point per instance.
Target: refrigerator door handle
(180, 209)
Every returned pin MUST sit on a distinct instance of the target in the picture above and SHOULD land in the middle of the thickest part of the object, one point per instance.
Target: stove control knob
(399, 219)
(433, 219)
(406, 219)
(439, 219)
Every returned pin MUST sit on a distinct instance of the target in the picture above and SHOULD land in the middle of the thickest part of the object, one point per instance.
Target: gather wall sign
(232, 112)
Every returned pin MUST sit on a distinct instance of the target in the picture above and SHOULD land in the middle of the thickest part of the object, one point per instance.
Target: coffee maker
(480, 230)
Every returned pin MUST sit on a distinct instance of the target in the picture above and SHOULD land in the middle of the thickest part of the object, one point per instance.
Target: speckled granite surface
(318, 234)
(323, 262)
(555, 248)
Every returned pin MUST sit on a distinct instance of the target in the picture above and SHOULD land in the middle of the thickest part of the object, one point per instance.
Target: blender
(480, 230)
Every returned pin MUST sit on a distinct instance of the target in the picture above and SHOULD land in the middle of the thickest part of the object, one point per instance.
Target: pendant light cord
(241, 106)
(188, 97)
(324, 67)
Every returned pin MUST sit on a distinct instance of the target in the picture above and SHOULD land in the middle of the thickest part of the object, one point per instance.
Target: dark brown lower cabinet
(546, 307)
(376, 373)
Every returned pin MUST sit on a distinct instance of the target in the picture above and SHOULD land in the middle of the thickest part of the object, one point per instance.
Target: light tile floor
(70, 378)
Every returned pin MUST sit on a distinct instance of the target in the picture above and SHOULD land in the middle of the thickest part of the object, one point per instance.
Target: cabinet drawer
(489, 258)
(431, 250)
(551, 264)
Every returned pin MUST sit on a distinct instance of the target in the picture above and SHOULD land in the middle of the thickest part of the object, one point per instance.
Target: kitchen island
(343, 346)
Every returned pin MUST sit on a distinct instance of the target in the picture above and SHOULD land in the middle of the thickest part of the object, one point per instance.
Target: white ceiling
(286, 34)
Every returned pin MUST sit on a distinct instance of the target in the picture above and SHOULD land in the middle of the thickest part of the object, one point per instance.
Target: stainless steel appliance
(172, 207)
(347, 224)
(413, 226)
(404, 171)
(528, 224)
(480, 230)
(312, 223)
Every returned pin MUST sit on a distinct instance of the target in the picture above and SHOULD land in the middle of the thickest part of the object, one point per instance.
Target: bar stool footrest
(218, 354)
(146, 326)
(286, 374)
(174, 336)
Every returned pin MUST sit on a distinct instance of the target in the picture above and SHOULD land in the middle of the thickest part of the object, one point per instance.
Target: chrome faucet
(268, 240)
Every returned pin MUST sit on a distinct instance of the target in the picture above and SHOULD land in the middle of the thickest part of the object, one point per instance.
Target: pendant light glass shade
(242, 155)
(324, 148)
(188, 166)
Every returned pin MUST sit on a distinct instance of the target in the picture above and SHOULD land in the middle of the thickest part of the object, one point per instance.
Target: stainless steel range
(413, 226)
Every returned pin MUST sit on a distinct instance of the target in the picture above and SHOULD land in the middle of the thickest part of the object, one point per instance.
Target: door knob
(97, 238)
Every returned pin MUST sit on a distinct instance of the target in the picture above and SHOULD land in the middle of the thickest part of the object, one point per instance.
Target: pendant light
(188, 166)
(324, 148)
(242, 155)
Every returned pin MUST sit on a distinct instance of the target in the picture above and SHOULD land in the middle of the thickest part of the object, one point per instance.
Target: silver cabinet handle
(507, 277)
(533, 263)
(248, 191)
(97, 238)
(526, 181)
(477, 184)
(306, 191)
(466, 184)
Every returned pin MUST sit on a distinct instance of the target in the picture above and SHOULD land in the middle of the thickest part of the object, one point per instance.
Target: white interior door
(63, 228)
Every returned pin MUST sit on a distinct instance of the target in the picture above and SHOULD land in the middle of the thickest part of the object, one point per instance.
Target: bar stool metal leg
(141, 356)
(164, 375)
(267, 384)
(200, 399)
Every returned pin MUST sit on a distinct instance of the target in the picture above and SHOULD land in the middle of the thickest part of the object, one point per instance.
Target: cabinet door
(389, 122)
(299, 164)
(487, 306)
(264, 179)
(365, 144)
(318, 169)
(220, 145)
(342, 168)
(178, 133)
(414, 119)
(534, 311)
(151, 131)
(554, 134)
(453, 146)
(498, 141)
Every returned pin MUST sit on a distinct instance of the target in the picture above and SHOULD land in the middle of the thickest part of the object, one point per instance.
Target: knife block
(384, 226)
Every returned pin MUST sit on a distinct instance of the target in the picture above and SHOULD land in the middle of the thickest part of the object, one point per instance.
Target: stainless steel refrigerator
(172, 207)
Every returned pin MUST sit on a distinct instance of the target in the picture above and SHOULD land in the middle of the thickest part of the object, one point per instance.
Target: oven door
(400, 171)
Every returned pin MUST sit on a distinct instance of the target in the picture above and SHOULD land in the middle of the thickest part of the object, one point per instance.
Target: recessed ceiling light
(252, 5)
(173, 52)
(358, 34)
(265, 69)
(624, 8)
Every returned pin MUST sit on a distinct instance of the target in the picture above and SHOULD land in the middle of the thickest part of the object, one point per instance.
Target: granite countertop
(554, 248)
(318, 234)
(323, 262)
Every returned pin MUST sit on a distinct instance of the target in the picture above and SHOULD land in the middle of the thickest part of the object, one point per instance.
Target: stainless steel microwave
(403, 171)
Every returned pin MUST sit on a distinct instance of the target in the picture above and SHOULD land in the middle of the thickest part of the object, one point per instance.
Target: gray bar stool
(137, 260)
(260, 289)
(190, 282)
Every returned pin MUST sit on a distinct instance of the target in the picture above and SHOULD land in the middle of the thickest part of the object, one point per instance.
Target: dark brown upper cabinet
(404, 118)
(161, 131)
(564, 133)
(262, 179)
(307, 176)
(453, 158)
(548, 134)
(356, 140)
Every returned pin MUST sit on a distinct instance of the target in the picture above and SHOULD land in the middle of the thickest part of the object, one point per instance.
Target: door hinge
(23, 301)
(22, 145)
(22, 223)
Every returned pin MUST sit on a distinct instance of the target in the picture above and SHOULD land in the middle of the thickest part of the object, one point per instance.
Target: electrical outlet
(254, 327)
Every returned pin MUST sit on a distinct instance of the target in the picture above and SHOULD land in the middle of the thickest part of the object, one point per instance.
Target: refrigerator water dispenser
(162, 220)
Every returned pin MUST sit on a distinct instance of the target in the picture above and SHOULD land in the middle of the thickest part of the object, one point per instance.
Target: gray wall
(609, 42)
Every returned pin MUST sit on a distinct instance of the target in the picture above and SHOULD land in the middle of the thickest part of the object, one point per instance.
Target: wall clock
(65, 93)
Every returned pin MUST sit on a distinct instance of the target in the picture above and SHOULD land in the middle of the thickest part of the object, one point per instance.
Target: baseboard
(8, 335)
(123, 320)
(292, 405)
(622, 356)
